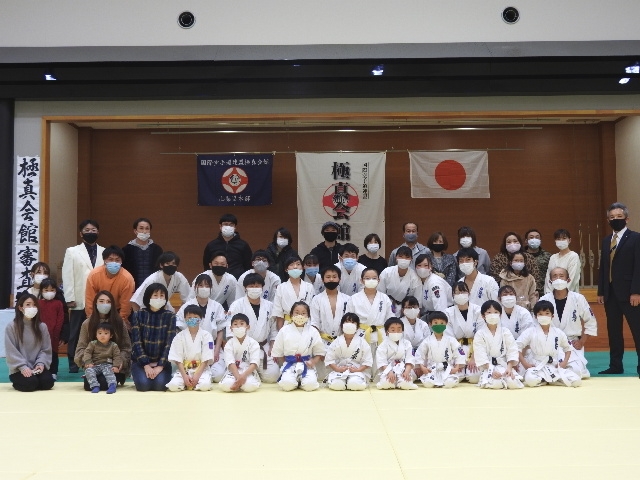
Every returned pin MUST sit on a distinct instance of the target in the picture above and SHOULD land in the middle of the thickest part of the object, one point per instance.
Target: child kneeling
(349, 357)
(242, 356)
(192, 353)
(394, 358)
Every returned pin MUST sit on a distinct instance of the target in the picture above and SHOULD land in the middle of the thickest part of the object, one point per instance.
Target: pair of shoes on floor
(611, 371)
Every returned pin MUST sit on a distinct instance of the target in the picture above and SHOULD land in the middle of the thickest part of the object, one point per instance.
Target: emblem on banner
(234, 180)
(340, 201)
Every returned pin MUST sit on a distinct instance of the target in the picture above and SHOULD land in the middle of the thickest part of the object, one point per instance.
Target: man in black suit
(619, 284)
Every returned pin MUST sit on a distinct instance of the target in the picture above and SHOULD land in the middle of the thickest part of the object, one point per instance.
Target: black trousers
(120, 378)
(54, 363)
(42, 381)
(615, 308)
(76, 317)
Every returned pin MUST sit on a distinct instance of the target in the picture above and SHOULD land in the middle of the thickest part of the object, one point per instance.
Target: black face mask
(331, 285)
(618, 224)
(90, 238)
(330, 236)
(437, 247)
(169, 269)
(218, 271)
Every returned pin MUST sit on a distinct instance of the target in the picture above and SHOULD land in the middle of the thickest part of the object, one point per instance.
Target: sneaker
(112, 388)
(55, 376)
(95, 390)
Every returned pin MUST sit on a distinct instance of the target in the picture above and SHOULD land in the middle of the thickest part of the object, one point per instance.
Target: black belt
(465, 341)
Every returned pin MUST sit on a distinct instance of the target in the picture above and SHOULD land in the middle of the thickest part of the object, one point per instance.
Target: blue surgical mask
(192, 321)
(312, 271)
(113, 267)
(349, 263)
(295, 272)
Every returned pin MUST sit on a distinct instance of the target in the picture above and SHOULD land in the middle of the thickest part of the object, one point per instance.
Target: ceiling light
(48, 75)
(377, 71)
(624, 80)
(632, 69)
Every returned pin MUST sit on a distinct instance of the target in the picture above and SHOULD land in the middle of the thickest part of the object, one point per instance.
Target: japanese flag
(449, 174)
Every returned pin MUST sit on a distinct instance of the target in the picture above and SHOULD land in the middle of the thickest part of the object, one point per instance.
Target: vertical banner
(346, 188)
(27, 202)
(234, 179)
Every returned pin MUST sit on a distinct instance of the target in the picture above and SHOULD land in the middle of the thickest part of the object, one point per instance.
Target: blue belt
(292, 360)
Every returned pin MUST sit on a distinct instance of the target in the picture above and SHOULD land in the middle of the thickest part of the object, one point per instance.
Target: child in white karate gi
(464, 321)
(191, 352)
(415, 330)
(440, 357)
(291, 291)
(400, 280)
(495, 351)
(394, 358)
(312, 272)
(349, 357)
(298, 348)
(514, 317)
(242, 356)
(550, 351)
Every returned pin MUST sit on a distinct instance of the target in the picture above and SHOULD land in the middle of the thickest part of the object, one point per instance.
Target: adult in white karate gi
(260, 265)
(298, 347)
(350, 269)
(550, 351)
(191, 352)
(242, 357)
(435, 293)
(415, 329)
(292, 291)
(168, 276)
(394, 358)
(223, 284)
(400, 281)
(495, 351)
(573, 316)
(263, 326)
(348, 357)
(481, 287)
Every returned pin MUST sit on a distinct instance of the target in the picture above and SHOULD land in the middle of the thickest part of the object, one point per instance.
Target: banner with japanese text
(27, 220)
(234, 180)
(346, 188)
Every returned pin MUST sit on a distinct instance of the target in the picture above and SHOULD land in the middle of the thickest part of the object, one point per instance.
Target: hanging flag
(449, 174)
(346, 188)
(234, 180)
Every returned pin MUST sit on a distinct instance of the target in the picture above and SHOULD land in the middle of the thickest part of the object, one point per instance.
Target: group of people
(332, 316)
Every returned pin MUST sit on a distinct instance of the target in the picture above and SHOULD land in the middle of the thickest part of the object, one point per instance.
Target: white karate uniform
(305, 342)
(191, 352)
(271, 282)
(318, 284)
(394, 357)
(494, 352)
(178, 283)
(547, 350)
(398, 287)
(372, 317)
(224, 291)
(440, 355)
(262, 330)
(350, 283)
(356, 354)
(462, 329)
(571, 263)
(415, 333)
(518, 322)
(484, 288)
(326, 321)
(576, 313)
(435, 294)
(243, 355)
(286, 297)
(214, 318)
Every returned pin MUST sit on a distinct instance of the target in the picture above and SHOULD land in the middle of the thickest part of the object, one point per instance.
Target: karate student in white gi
(464, 320)
(373, 308)
(263, 325)
(298, 348)
(166, 275)
(223, 284)
(191, 352)
(550, 351)
(513, 317)
(573, 316)
(495, 351)
(349, 358)
(565, 258)
(292, 291)
(435, 293)
(242, 357)
(481, 287)
(400, 280)
(312, 272)
(350, 269)
(440, 359)
(394, 358)
(415, 330)
(260, 263)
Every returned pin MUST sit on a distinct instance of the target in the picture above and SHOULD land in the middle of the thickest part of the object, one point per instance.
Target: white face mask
(562, 244)
(157, 303)
(534, 243)
(492, 318)
(48, 295)
(254, 293)
(260, 266)
(513, 247)
(143, 237)
(239, 332)
(411, 313)
(349, 328)
(228, 231)
(403, 263)
(204, 292)
(38, 278)
(559, 284)
(461, 298)
(544, 319)
(371, 283)
(373, 247)
(396, 337)
(299, 320)
(30, 312)
(282, 242)
(517, 266)
(423, 272)
(103, 308)
(467, 268)
(508, 301)
(466, 242)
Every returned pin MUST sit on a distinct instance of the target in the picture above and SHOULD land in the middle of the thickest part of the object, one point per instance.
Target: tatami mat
(588, 432)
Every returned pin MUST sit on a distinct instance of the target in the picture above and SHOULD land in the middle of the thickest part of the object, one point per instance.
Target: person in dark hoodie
(236, 250)
(279, 251)
(327, 251)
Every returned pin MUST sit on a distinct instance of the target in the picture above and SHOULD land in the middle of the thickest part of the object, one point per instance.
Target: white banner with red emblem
(345, 188)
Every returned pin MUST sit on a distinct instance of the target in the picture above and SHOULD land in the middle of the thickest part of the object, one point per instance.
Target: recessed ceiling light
(624, 80)
(632, 69)
(377, 71)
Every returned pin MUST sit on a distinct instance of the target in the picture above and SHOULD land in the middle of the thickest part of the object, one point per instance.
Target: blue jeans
(144, 384)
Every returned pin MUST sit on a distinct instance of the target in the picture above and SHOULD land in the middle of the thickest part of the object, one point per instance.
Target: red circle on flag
(450, 175)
